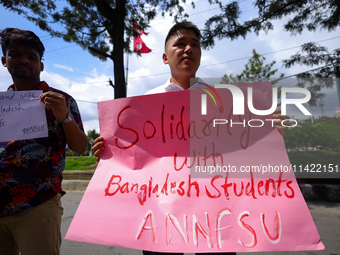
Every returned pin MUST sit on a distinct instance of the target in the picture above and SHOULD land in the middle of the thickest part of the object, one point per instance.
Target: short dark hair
(183, 25)
(28, 38)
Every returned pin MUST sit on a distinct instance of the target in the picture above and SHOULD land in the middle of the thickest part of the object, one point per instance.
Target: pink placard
(173, 180)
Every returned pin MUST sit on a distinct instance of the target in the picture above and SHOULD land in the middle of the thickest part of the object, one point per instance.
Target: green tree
(105, 27)
(91, 136)
(303, 15)
(312, 54)
(255, 71)
(324, 133)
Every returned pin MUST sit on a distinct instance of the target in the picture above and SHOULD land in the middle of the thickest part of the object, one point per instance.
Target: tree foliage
(255, 71)
(107, 25)
(312, 54)
(308, 136)
(303, 15)
(91, 136)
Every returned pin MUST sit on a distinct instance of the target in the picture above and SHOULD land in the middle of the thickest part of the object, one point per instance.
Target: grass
(304, 158)
(322, 157)
(80, 163)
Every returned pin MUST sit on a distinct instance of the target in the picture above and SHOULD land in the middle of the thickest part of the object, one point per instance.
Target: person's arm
(277, 115)
(98, 147)
(75, 137)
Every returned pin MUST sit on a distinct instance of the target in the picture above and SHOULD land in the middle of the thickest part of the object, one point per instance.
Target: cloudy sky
(70, 68)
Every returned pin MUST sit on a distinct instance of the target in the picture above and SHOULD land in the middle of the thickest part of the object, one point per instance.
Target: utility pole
(337, 76)
(106, 56)
(337, 80)
(127, 69)
(112, 85)
(321, 100)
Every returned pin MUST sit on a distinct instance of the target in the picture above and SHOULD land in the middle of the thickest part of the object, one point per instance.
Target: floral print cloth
(31, 170)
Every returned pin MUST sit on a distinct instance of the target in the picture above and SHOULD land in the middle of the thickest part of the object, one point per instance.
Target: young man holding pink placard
(183, 55)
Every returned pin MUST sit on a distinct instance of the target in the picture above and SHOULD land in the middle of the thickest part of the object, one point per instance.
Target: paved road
(326, 217)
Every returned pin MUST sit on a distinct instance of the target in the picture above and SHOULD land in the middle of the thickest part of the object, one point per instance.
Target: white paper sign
(22, 116)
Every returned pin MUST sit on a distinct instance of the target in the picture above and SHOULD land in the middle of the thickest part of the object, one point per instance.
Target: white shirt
(171, 87)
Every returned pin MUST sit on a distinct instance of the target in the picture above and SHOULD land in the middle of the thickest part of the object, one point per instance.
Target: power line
(83, 101)
(193, 14)
(268, 53)
(304, 72)
(196, 13)
(72, 84)
(234, 60)
(66, 54)
(151, 75)
(220, 63)
(73, 45)
(42, 38)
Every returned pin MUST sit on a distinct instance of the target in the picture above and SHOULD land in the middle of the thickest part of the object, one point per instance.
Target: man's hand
(277, 115)
(55, 102)
(75, 137)
(98, 147)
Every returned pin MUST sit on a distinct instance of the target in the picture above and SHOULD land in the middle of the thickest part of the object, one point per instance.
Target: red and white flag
(139, 45)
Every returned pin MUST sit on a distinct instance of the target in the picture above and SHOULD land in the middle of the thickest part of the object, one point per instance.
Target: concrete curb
(79, 171)
(311, 192)
(74, 185)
